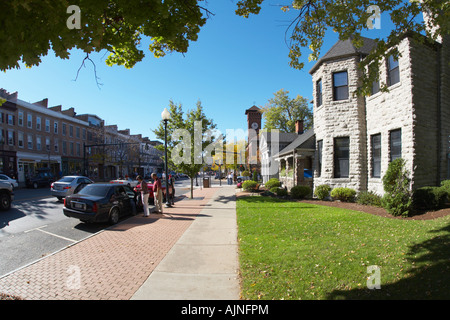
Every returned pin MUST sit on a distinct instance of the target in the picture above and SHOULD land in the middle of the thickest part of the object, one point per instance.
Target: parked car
(100, 202)
(44, 177)
(6, 195)
(242, 178)
(129, 182)
(12, 182)
(68, 185)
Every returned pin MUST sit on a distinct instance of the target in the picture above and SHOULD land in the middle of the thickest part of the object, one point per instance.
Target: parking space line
(52, 234)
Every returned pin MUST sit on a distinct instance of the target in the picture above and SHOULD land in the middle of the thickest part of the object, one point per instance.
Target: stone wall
(335, 119)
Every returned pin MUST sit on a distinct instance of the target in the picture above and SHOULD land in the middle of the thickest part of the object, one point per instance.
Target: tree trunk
(192, 188)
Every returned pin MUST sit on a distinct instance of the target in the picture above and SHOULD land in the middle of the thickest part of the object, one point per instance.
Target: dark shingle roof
(300, 142)
(345, 48)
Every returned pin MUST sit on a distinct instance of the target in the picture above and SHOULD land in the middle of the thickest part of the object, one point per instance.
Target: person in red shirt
(157, 193)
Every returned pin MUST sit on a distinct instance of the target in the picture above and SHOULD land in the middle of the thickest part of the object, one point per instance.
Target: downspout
(439, 122)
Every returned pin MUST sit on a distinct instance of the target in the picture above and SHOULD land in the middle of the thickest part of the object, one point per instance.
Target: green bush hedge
(279, 191)
(343, 194)
(430, 198)
(250, 185)
(274, 182)
(300, 192)
(322, 191)
(369, 198)
(398, 199)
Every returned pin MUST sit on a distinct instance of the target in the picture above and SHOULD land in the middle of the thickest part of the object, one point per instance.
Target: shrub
(279, 191)
(369, 198)
(246, 173)
(300, 192)
(255, 176)
(397, 199)
(430, 198)
(274, 182)
(322, 191)
(250, 185)
(343, 194)
(445, 185)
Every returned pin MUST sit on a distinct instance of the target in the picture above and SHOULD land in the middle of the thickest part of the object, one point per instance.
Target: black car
(100, 202)
(43, 177)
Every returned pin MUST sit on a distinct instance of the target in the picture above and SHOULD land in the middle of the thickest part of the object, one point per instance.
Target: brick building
(34, 136)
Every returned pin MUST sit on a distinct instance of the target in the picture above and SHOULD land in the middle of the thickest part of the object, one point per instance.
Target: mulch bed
(368, 209)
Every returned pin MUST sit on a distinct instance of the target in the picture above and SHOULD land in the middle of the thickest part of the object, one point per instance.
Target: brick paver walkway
(112, 264)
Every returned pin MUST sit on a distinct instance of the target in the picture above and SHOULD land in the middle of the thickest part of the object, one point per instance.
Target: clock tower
(254, 116)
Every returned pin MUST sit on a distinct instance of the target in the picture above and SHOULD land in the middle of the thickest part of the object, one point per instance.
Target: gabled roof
(345, 48)
(303, 141)
(252, 109)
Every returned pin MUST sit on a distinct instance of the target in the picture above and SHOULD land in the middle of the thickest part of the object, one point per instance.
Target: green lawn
(294, 250)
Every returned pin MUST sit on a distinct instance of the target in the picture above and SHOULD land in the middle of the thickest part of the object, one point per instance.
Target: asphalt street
(35, 227)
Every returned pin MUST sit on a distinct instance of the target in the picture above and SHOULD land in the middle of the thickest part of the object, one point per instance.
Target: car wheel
(114, 215)
(35, 185)
(5, 201)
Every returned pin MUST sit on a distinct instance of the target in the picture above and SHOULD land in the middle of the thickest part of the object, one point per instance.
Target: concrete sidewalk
(190, 252)
(203, 264)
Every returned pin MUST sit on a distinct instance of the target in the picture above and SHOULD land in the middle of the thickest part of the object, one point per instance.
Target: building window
(340, 86)
(30, 141)
(64, 129)
(376, 155)
(47, 125)
(10, 138)
(38, 143)
(395, 144)
(70, 131)
(319, 157)
(77, 132)
(55, 127)
(10, 119)
(84, 134)
(393, 71)
(20, 139)
(29, 121)
(375, 87)
(38, 123)
(78, 149)
(341, 157)
(64, 147)
(319, 92)
(56, 146)
(47, 144)
(20, 121)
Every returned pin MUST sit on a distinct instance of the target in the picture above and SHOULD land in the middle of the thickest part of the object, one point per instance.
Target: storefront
(28, 163)
(8, 163)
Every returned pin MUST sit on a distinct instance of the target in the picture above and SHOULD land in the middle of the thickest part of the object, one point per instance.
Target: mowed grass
(294, 250)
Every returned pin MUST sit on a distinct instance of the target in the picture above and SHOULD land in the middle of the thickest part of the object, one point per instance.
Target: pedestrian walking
(230, 178)
(157, 193)
(143, 189)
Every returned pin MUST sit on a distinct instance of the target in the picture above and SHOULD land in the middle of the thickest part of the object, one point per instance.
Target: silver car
(68, 185)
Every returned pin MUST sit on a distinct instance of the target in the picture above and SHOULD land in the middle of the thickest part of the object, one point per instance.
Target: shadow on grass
(430, 280)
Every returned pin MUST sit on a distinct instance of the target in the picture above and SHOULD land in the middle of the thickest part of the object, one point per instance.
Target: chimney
(42, 103)
(299, 126)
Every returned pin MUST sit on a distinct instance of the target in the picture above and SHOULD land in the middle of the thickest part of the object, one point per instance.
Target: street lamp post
(165, 115)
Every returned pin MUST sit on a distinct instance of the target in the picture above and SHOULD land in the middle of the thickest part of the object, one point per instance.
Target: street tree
(349, 18)
(281, 112)
(29, 29)
(188, 135)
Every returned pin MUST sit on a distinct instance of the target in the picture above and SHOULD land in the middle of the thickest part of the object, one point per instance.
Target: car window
(3, 178)
(95, 190)
(129, 192)
(66, 179)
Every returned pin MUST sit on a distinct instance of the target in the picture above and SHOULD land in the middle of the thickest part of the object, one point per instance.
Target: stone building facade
(357, 137)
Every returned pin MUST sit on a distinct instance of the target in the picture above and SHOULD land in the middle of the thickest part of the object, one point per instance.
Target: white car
(129, 182)
(12, 182)
(68, 185)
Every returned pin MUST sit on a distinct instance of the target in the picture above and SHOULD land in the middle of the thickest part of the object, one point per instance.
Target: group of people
(157, 193)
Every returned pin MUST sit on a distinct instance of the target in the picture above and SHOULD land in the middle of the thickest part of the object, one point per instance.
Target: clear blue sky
(234, 64)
